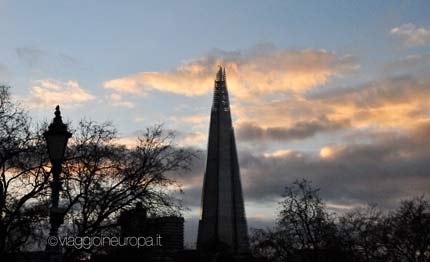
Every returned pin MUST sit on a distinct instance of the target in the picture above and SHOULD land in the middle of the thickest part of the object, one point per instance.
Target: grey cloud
(300, 130)
(192, 179)
(392, 167)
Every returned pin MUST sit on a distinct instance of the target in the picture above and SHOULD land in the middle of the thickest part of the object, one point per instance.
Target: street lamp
(56, 138)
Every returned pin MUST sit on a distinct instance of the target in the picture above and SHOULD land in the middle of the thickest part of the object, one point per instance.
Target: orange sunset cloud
(262, 71)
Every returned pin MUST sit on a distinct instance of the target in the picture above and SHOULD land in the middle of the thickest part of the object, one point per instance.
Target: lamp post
(56, 138)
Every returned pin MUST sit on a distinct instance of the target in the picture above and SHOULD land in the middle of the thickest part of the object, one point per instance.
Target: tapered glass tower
(222, 223)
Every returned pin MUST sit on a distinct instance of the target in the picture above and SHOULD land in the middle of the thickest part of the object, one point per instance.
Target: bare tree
(407, 232)
(103, 178)
(361, 233)
(306, 232)
(23, 176)
(304, 228)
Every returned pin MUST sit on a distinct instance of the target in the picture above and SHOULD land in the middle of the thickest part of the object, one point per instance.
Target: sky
(336, 92)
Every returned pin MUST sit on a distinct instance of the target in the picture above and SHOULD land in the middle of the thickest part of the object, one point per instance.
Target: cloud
(411, 34)
(117, 100)
(382, 156)
(48, 93)
(191, 119)
(393, 167)
(328, 152)
(395, 90)
(393, 103)
(191, 139)
(263, 70)
(300, 130)
(278, 153)
(128, 141)
(397, 102)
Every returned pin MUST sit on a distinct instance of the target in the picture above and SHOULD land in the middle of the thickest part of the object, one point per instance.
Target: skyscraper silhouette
(222, 223)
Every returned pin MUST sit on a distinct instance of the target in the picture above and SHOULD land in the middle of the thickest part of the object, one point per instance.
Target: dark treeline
(307, 231)
(101, 178)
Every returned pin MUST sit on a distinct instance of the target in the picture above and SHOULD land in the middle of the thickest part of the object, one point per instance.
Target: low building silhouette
(169, 229)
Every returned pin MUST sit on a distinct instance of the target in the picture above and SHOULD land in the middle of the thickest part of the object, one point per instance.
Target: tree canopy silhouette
(307, 231)
(101, 178)
(23, 176)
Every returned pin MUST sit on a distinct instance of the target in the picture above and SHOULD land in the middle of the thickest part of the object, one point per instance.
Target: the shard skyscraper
(222, 223)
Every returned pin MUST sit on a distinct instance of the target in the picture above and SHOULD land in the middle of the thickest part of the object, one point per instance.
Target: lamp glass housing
(56, 146)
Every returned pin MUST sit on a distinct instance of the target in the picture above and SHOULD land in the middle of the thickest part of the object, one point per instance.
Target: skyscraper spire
(222, 224)
(220, 99)
(224, 76)
(219, 75)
